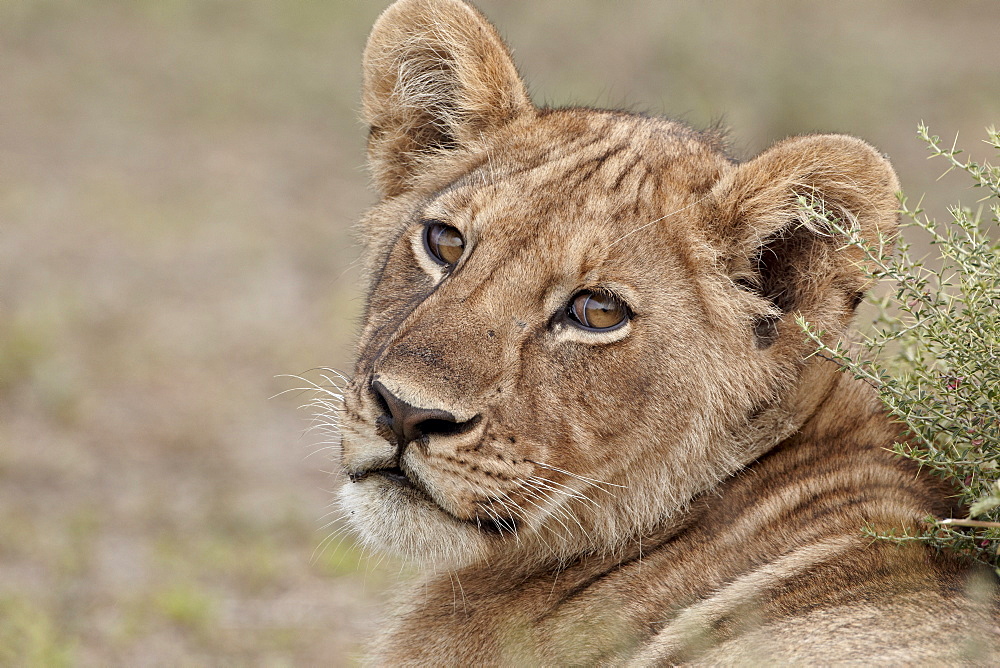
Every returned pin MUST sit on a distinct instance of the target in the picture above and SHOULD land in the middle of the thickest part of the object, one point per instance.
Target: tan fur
(689, 487)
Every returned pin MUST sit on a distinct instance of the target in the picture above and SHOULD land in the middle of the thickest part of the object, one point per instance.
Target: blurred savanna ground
(178, 181)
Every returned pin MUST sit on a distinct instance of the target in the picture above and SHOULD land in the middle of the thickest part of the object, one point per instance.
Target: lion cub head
(578, 320)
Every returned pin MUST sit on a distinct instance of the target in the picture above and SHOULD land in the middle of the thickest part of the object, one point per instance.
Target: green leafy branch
(933, 352)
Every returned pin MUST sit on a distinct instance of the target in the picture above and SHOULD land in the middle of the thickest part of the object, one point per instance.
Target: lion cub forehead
(583, 172)
(505, 224)
(557, 223)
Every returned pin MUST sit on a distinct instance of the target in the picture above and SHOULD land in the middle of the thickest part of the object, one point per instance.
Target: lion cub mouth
(394, 474)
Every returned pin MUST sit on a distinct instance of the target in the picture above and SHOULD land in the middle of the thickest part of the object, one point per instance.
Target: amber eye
(443, 242)
(598, 311)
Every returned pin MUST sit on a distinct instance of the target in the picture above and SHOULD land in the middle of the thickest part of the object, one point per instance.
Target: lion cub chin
(583, 403)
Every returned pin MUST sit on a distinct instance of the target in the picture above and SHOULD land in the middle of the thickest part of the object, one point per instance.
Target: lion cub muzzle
(399, 420)
(409, 423)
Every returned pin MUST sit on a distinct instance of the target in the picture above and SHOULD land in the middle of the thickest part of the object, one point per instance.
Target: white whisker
(592, 481)
(653, 222)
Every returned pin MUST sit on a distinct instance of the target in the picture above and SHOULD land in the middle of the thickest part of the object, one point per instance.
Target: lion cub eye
(443, 242)
(597, 311)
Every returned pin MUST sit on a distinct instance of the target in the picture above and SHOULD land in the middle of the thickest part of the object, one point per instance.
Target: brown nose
(409, 422)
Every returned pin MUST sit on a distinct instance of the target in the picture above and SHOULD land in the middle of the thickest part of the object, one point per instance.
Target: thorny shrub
(933, 352)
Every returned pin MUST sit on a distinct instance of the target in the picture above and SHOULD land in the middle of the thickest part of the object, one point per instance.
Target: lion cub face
(578, 320)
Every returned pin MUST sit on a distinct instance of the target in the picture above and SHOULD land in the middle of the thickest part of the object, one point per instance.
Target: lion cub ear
(771, 246)
(437, 77)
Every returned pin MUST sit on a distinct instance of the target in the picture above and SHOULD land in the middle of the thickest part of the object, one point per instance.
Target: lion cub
(583, 404)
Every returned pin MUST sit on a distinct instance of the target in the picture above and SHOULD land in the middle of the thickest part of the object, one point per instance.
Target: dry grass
(178, 182)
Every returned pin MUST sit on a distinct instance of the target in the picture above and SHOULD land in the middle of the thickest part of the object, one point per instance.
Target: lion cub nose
(409, 422)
